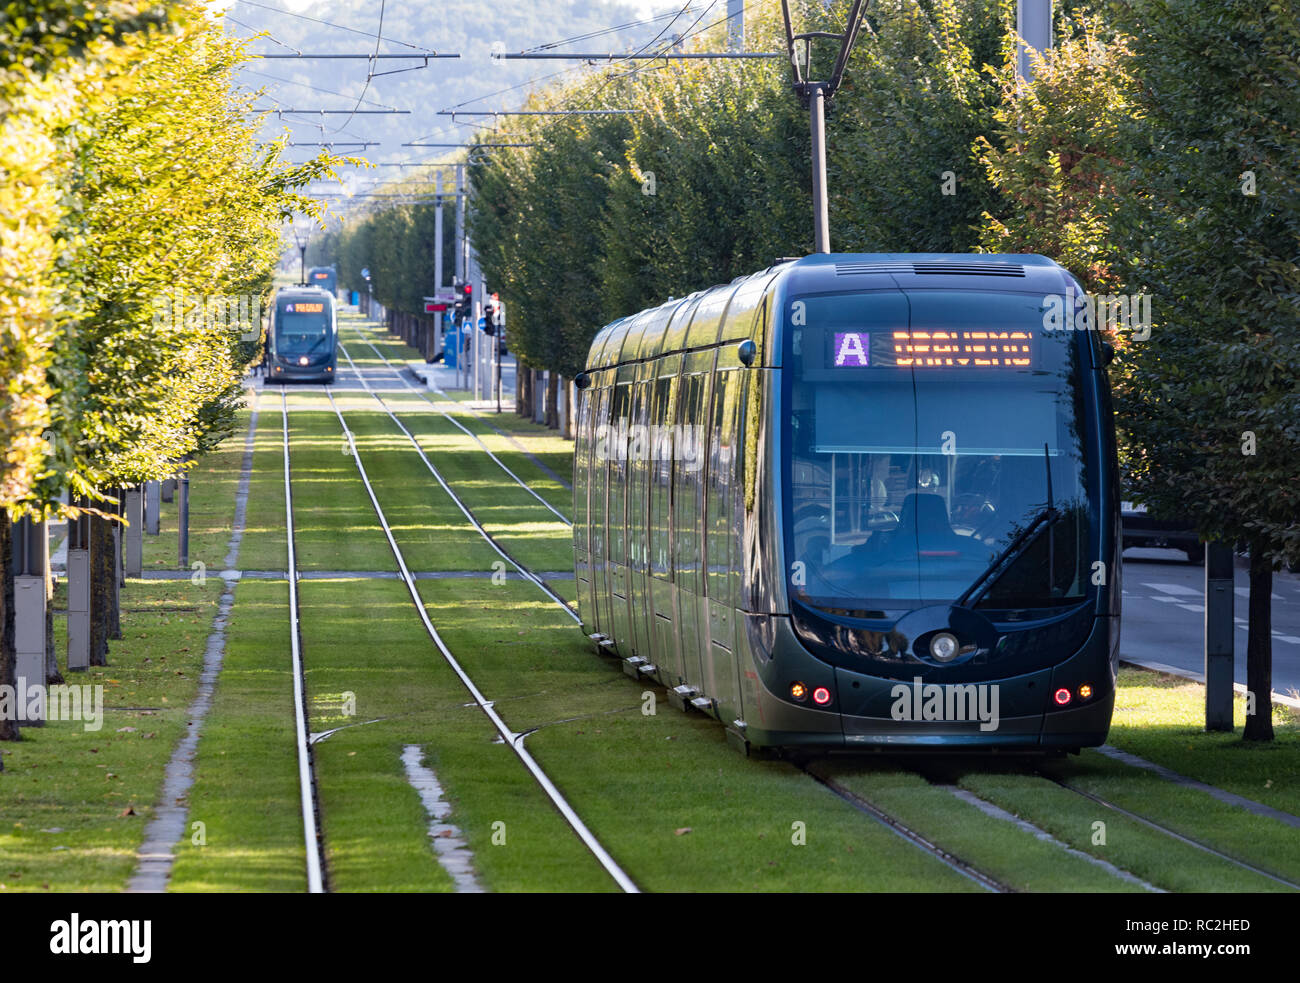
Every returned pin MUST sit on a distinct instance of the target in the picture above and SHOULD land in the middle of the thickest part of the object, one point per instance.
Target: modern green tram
(859, 501)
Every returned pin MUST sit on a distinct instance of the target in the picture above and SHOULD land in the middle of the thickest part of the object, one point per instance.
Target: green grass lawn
(213, 483)
(75, 801)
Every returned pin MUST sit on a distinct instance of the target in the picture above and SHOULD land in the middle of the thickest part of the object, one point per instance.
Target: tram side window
(661, 476)
(615, 448)
(721, 436)
(599, 473)
(686, 484)
(637, 465)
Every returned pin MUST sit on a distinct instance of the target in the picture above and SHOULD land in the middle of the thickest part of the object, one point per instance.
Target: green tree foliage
(917, 92)
(1210, 226)
(133, 190)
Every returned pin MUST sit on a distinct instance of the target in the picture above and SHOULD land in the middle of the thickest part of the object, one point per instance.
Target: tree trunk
(1259, 646)
(8, 648)
(102, 574)
(552, 396)
(523, 390)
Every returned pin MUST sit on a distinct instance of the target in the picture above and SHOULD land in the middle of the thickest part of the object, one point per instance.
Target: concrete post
(79, 594)
(169, 490)
(152, 510)
(1219, 639)
(134, 507)
(31, 554)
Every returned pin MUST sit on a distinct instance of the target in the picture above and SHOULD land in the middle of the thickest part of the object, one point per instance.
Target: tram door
(597, 509)
(581, 515)
(615, 448)
(640, 620)
(720, 554)
(688, 508)
(661, 614)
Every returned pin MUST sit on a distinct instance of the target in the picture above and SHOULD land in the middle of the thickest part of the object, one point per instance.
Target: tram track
(1173, 834)
(514, 740)
(901, 829)
(308, 792)
(456, 423)
(459, 502)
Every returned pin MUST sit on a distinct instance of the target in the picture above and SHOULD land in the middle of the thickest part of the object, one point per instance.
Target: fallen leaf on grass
(126, 730)
(682, 831)
(128, 811)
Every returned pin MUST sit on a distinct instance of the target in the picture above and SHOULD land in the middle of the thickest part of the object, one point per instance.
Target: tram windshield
(303, 328)
(934, 454)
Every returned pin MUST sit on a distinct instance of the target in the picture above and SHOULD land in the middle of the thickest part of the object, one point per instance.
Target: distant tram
(325, 277)
(859, 502)
(302, 343)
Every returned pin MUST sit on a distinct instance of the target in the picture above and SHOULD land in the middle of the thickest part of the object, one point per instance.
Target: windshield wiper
(985, 581)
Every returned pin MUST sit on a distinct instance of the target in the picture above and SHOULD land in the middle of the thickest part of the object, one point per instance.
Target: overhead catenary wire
(314, 88)
(317, 20)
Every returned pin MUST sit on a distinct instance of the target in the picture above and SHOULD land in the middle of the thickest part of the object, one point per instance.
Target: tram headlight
(944, 646)
(302, 359)
(798, 691)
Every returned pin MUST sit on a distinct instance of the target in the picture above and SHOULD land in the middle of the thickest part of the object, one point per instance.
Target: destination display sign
(915, 348)
(304, 307)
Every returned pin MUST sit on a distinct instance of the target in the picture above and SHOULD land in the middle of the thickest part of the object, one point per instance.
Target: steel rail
(306, 774)
(406, 382)
(515, 741)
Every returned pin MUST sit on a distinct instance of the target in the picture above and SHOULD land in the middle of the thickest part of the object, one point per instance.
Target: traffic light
(464, 301)
(490, 316)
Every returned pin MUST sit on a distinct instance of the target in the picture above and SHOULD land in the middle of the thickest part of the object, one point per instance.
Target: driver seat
(926, 514)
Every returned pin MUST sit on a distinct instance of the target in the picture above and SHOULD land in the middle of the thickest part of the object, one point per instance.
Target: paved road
(1164, 616)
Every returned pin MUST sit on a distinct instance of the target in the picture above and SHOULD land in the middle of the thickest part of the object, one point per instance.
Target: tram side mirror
(747, 352)
(1107, 353)
(582, 380)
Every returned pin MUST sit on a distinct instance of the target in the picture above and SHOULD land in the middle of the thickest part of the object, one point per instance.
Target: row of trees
(1155, 151)
(133, 188)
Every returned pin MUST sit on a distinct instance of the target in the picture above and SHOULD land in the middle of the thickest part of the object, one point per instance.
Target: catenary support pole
(821, 219)
(1034, 25)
